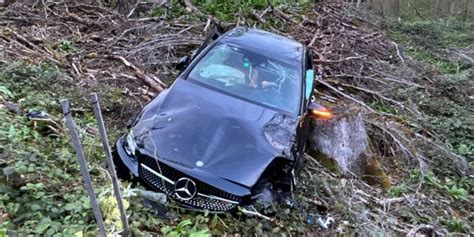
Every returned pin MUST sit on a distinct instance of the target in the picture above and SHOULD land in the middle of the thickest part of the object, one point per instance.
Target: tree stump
(342, 139)
(341, 143)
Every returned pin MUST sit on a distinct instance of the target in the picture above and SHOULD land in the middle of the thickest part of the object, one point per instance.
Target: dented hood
(200, 128)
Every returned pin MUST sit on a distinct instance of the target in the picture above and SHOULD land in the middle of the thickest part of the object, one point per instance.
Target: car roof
(265, 43)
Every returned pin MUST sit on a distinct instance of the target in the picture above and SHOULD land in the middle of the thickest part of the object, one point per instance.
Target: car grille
(207, 197)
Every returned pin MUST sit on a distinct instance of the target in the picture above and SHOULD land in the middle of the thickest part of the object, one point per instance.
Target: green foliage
(382, 107)
(5, 92)
(182, 229)
(446, 107)
(41, 86)
(225, 10)
(41, 188)
(111, 213)
(38, 172)
(398, 190)
(42, 192)
(448, 112)
(456, 225)
(67, 46)
(455, 189)
(433, 180)
(456, 192)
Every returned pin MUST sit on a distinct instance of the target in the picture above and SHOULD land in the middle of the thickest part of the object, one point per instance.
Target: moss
(325, 160)
(374, 174)
(371, 169)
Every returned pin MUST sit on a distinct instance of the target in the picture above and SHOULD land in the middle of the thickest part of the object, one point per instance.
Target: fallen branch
(277, 12)
(257, 16)
(398, 52)
(461, 164)
(338, 60)
(346, 96)
(156, 85)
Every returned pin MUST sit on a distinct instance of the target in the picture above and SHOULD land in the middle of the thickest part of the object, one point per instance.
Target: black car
(231, 125)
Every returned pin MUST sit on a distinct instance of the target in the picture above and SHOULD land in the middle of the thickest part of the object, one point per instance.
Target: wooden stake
(82, 162)
(110, 163)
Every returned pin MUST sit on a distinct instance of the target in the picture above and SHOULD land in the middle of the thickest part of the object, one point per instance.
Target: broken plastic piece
(153, 196)
(34, 114)
(253, 212)
(322, 221)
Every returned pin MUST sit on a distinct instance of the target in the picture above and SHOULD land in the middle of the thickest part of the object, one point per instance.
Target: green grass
(424, 39)
(456, 225)
(397, 191)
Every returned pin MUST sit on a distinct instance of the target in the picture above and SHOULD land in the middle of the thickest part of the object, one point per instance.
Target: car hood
(199, 128)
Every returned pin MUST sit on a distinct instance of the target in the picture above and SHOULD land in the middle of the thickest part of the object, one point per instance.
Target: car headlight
(131, 144)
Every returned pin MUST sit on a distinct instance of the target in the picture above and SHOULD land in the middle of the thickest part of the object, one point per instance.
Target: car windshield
(250, 76)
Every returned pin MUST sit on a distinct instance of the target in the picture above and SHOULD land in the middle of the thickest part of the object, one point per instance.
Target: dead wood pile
(99, 43)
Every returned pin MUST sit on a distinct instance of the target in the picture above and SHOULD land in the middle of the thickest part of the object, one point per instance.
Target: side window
(216, 56)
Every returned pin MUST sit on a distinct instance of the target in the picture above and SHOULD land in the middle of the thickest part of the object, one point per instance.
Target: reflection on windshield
(251, 76)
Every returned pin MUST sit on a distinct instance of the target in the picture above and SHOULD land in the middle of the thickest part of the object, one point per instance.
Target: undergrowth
(41, 189)
(446, 103)
(428, 41)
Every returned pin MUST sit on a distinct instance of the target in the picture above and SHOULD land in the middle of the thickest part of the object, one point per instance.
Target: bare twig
(156, 85)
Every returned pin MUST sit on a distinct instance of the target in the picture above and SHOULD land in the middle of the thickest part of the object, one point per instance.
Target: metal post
(85, 173)
(110, 164)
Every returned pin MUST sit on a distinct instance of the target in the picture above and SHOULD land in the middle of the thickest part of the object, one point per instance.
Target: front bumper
(212, 193)
(122, 159)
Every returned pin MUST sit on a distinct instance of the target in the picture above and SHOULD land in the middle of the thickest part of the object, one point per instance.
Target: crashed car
(232, 125)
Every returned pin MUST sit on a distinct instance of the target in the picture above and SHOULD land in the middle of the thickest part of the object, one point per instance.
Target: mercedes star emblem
(185, 189)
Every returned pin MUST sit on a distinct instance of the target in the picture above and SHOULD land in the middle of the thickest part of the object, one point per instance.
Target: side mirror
(319, 112)
(182, 63)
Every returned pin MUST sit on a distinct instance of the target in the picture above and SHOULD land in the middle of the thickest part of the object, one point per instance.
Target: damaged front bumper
(123, 160)
(190, 187)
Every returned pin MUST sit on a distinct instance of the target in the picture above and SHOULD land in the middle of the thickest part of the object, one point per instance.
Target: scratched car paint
(231, 128)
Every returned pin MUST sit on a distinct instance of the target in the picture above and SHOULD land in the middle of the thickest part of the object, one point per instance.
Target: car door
(303, 127)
